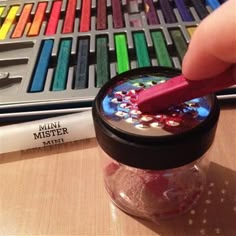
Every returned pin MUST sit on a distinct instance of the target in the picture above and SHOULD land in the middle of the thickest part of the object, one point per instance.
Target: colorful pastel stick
(163, 56)
(184, 12)
(167, 11)
(27, 27)
(141, 49)
(179, 89)
(121, 53)
(213, 4)
(40, 73)
(200, 8)
(8, 22)
(54, 18)
(85, 16)
(102, 75)
(191, 30)
(101, 15)
(61, 70)
(81, 73)
(38, 19)
(70, 17)
(23, 20)
(117, 14)
(150, 12)
(180, 43)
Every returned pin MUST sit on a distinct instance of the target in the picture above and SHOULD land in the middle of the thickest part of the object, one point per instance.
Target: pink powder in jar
(154, 165)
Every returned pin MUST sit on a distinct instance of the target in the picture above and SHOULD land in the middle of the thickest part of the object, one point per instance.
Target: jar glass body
(154, 194)
(154, 164)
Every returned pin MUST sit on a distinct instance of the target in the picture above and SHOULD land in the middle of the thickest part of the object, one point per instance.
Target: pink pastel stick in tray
(179, 89)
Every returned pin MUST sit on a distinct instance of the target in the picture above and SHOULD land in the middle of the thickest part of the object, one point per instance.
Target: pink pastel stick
(179, 89)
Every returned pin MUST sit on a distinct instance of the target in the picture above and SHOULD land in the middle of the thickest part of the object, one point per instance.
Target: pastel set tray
(55, 55)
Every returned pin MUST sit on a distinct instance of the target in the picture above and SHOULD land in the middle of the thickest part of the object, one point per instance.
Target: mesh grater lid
(174, 137)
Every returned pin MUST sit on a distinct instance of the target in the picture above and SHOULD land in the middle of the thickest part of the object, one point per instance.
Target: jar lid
(164, 140)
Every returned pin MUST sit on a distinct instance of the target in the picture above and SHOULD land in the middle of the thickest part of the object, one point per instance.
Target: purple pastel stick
(117, 14)
(151, 12)
(167, 11)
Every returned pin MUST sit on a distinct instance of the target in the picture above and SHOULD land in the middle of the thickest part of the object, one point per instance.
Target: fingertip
(186, 67)
(210, 49)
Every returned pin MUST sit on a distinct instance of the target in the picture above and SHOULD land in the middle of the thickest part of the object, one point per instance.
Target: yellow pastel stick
(1, 10)
(191, 30)
(8, 22)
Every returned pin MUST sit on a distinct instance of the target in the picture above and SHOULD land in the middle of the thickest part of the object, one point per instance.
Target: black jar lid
(159, 141)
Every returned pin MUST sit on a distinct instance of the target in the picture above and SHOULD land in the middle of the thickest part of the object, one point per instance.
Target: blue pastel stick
(213, 4)
(184, 12)
(40, 73)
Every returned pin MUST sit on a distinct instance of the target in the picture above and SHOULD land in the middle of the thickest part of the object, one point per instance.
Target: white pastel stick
(45, 132)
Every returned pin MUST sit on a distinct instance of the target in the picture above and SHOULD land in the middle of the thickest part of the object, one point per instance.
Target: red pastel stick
(178, 89)
(53, 19)
(85, 16)
(70, 17)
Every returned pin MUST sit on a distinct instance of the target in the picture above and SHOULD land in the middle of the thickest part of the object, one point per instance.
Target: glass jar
(154, 165)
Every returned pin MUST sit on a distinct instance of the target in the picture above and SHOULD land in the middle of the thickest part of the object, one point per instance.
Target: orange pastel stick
(27, 27)
(24, 18)
(38, 19)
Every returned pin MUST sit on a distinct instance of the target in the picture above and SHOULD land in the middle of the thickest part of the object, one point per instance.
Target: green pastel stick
(162, 54)
(102, 61)
(179, 42)
(121, 53)
(61, 71)
(141, 49)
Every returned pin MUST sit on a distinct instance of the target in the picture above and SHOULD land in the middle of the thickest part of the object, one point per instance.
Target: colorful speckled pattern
(120, 109)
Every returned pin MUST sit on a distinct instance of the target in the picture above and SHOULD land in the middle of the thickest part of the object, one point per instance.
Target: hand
(212, 49)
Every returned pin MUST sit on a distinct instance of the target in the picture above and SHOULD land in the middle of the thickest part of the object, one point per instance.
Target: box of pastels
(56, 55)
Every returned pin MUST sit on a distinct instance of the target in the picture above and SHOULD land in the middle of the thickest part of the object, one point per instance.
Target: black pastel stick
(200, 8)
(81, 72)
(167, 11)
